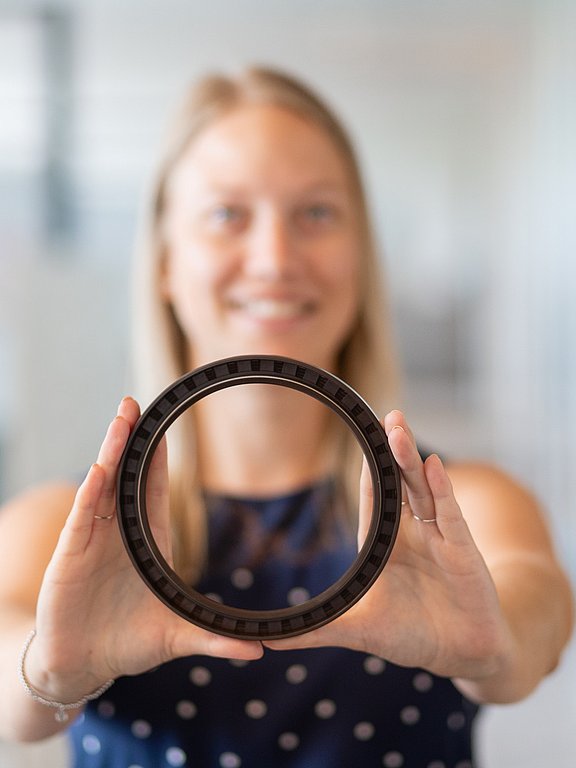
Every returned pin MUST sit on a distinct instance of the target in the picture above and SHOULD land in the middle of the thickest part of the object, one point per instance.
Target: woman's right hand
(96, 618)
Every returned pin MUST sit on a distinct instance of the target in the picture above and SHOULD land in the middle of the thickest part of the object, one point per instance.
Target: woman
(258, 243)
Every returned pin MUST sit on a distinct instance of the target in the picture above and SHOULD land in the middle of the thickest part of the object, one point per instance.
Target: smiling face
(262, 250)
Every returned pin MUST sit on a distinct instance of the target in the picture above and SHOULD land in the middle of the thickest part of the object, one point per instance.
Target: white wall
(465, 124)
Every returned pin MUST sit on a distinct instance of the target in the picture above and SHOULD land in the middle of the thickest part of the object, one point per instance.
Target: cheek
(191, 270)
(342, 273)
(184, 288)
(341, 279)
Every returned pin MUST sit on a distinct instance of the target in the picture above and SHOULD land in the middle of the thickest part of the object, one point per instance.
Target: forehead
(259, 145)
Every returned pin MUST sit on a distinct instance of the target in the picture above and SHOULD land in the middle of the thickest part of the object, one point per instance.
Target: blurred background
(464, 114)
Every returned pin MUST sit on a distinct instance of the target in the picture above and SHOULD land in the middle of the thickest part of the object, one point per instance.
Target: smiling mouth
(273, 309)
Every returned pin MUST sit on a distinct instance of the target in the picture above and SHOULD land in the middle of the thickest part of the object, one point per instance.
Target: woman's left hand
(435, 604)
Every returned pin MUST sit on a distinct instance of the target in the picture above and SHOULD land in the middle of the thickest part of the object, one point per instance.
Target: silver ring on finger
(417, 517)
(423, 519)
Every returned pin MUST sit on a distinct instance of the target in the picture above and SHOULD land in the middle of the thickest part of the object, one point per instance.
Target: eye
(317, 216)
(225, 212)
(320, 212)
(226, 215)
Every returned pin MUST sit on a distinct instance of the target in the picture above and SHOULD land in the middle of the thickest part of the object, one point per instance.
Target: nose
(270, 249)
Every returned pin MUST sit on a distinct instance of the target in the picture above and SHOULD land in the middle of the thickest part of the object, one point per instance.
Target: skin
(477, 596)
(262, 240)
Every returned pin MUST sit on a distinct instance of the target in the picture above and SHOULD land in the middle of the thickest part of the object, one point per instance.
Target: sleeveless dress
(317, 708)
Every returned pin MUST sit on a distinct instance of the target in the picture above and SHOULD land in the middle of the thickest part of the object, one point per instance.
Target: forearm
(537, 608)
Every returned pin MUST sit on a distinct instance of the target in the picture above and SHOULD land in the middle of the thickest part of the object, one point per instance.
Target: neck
(261, 439)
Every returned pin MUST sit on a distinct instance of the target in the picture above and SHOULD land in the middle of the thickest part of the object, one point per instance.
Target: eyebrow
(314, 187)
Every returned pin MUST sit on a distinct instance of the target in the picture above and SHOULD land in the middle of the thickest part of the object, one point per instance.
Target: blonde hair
(367, 360)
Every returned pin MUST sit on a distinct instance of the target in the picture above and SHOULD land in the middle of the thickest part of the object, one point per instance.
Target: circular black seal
(191, 604)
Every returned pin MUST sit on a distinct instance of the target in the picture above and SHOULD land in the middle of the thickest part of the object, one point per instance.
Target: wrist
(64, 699)
(494, 679)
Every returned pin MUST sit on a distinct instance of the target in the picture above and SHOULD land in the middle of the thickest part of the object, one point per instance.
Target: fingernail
(397, 426)
(122, 402)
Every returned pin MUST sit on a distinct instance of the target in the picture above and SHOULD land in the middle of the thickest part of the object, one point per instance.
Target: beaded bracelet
(61, 715)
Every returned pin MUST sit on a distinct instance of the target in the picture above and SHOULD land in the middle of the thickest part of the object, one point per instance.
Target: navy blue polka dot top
(318, 708)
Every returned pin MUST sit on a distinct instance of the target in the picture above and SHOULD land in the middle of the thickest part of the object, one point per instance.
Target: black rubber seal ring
(208, 613)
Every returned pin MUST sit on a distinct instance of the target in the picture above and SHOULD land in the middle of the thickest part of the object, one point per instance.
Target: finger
(406, 453)
(229, 648)
(189, 640)
(449, 518)
(129, 410)
(95, 497)
(77, 530)
(397, 419)
(322, 637)
(111, 452)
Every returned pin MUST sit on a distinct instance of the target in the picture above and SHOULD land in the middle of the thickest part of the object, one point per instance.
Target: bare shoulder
(30, 524)
(481, 480)
(502, 513)
(49, 503)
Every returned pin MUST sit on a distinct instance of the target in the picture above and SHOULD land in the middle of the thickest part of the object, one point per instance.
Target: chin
(318, 356)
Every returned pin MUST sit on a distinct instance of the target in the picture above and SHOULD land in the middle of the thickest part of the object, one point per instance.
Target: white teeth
(273, 309)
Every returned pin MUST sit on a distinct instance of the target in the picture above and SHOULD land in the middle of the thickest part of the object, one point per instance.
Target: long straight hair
(366, 361)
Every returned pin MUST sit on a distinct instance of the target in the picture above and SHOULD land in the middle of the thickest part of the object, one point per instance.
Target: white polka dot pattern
(200, 676)
(141, 729)
(325, 709)
(363, 731)
(410, 715)
(423, 682)
(288, 741)
(456, 721)
(230, 760)
(393, 760)
(106, 709)
(186, 709)
(175, 757)
(298, 595)
(373, 665)
(242, 578)
(91, 744)
(296, 674)
(256, 709)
